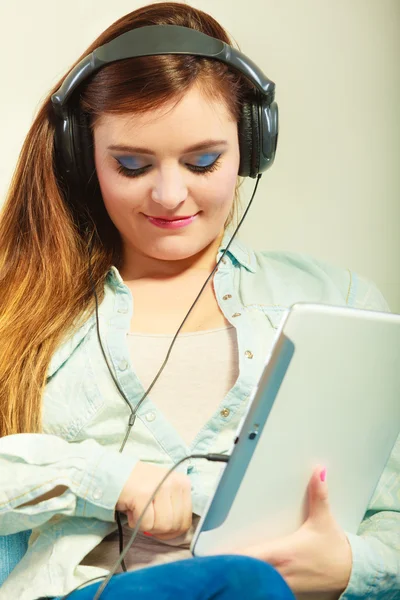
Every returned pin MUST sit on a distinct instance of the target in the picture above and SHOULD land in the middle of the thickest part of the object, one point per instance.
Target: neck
(140, 266)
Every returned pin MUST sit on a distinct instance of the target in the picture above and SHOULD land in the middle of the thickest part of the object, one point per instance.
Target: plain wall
(334, 189)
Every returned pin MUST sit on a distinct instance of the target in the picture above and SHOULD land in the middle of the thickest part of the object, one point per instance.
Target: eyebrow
(137, 150)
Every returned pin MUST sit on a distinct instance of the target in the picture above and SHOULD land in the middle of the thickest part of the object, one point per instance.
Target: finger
(147, 522)
(318, 498)
(187, 511)
(177, 512)
(129, 515)
(162, 513)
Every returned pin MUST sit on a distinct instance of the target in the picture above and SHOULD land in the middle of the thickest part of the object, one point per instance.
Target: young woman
(144, 233)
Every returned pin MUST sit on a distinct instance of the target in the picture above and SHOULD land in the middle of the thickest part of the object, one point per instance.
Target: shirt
(85, 420)
(200, 371)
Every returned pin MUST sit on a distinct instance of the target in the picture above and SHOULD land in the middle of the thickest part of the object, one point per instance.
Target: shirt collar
(242, 253)
(114, 277)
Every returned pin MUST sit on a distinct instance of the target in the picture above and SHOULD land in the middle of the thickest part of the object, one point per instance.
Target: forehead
(195, 115)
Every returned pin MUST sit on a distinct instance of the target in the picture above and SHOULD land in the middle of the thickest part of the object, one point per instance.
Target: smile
(176, 223)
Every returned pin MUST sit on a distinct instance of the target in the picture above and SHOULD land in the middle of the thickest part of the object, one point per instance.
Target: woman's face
(146, 165)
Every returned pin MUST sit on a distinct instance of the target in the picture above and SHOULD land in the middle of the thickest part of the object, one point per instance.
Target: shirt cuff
(368, 569)
(102, 484)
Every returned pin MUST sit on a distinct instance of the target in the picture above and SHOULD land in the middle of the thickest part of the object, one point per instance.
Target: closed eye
(127, 165)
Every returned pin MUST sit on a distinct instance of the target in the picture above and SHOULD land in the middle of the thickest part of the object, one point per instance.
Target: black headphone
(258, 124)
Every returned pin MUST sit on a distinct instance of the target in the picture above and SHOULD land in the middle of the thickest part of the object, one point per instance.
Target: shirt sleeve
(376, 547)
(34, 464)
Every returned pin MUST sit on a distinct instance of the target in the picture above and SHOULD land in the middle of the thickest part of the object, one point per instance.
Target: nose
(170, 189)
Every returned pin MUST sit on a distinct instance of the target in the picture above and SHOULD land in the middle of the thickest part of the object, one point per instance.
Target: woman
(145, 233)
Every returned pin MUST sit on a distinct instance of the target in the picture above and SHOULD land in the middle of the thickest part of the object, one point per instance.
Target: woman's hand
(316, 558)
(170, 513)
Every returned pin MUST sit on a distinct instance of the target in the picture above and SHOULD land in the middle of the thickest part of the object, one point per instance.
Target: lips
(168, 219)
(175, 223)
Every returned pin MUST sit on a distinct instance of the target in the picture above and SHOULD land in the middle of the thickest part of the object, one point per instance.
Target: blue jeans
(204, 578)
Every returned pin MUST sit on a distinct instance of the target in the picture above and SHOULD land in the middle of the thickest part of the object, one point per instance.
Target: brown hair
(45, 289)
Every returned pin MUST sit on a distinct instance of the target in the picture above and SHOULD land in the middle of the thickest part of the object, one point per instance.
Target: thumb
(318, 501)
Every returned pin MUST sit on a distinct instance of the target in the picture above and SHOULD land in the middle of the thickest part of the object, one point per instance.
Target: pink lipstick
(171, 223)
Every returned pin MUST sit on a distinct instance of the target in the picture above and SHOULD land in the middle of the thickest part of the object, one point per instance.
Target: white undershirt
(202, 368)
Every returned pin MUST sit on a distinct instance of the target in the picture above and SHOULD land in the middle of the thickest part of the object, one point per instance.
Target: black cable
(134, 411)
(120, 538)
(211, 457)
(132, 417)
(191, 308)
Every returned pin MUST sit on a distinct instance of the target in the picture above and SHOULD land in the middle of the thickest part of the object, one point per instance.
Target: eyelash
(195, 169)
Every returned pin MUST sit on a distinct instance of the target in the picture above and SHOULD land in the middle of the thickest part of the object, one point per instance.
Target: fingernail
(146, 533)
(322, 475)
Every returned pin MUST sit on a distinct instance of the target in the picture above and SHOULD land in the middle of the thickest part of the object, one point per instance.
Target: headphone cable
(210, 457)
(132, 416)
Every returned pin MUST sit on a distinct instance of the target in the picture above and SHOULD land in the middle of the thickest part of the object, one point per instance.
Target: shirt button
(226, 297)
(248, 354)
(97, 494)
(223, 261)
(236, 314)
(123, 310)
(225, 412)
(123, 365)
(150, 416)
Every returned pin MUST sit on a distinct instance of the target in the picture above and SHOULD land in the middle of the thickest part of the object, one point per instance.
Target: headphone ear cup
(87, 150)
(249, 139)
(83, 148)
(64, 150)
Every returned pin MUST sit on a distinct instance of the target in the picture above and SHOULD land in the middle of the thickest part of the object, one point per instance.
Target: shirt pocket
(72, 399)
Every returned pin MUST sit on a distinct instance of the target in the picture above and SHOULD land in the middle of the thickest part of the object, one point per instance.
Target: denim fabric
(12, 549)
(207, 578)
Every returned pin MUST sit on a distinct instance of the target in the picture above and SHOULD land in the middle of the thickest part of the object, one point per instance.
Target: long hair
(45, 290)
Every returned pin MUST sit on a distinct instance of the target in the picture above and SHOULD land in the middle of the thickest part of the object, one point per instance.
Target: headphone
(257, 127)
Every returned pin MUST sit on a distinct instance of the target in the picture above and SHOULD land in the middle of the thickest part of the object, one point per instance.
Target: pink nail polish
(322, 475)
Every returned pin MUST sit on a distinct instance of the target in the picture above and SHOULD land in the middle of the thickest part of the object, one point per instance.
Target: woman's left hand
(317, 558)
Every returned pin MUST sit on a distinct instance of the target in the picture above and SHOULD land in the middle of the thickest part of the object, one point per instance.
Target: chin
(177, 249)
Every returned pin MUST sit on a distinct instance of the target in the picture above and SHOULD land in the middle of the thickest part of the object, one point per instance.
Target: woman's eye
(131, 167)
(128, 162)
(206, 160)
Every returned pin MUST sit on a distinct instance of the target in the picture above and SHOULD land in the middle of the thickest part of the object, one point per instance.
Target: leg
(205, 578)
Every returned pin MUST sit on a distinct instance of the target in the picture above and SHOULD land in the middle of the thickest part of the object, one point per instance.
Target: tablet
(329, 395)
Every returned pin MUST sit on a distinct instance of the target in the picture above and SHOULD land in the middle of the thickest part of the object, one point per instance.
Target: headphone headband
(161, 39)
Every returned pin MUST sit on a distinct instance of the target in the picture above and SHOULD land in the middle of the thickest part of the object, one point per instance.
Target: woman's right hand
(170, 513)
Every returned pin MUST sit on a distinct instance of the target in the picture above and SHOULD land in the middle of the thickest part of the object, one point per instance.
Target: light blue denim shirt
(85, 420)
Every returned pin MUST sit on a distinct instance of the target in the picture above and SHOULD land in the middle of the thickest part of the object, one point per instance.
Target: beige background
(334, 190)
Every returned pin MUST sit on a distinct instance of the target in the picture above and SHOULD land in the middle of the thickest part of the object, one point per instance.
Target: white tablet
(329, 395)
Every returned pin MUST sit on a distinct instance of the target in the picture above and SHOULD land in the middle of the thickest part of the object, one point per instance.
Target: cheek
(112, 187)
(219, 190)
(114, 191)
